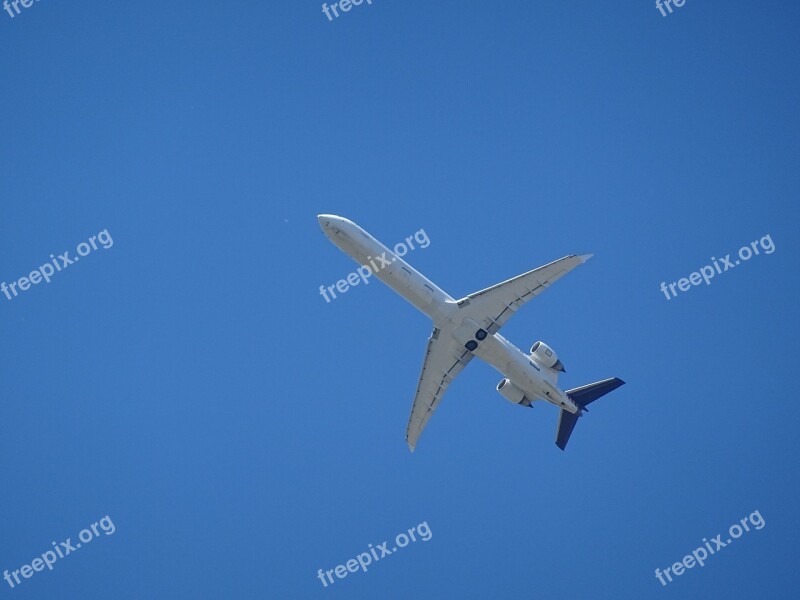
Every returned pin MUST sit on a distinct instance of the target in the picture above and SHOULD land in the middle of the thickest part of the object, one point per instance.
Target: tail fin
(582, 396)
(566, 423)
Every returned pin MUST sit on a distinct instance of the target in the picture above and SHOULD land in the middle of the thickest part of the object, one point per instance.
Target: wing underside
(494, 306)
(444, 359)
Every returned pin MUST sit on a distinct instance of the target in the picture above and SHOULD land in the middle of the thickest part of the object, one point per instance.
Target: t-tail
(582, 397)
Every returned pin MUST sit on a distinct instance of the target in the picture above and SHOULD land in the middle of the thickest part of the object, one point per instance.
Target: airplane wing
(494, 306)
(444, 359)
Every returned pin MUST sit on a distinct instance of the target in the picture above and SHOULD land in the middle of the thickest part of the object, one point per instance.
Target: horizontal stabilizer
(587, 394)
(582, 396)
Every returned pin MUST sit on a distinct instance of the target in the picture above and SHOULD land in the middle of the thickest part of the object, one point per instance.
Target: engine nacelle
(512, 393)
(546, 356)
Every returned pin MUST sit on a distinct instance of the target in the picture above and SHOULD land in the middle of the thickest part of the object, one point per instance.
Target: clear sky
(190, 383)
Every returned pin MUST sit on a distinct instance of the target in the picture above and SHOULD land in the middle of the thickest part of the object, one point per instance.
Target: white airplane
(468, 327)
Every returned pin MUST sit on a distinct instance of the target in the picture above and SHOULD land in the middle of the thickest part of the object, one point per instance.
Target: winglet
(585, 257)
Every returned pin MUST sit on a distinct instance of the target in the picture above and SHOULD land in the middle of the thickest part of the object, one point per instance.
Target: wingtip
(585, 257)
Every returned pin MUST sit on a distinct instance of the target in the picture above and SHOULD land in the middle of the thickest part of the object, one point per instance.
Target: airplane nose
(328, 223)
(331, 221)
(334, 223)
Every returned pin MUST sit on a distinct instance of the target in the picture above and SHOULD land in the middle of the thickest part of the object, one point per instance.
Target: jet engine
(512, 393)
(546, 356)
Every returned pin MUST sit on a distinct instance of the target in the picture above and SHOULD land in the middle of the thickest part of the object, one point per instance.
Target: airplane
(465, 328)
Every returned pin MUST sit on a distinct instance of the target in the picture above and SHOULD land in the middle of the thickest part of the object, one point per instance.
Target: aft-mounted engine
(545, 356)
(512, 393)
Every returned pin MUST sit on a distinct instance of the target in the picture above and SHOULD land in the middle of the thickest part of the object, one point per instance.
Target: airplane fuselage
(537, 383)
(388, 267)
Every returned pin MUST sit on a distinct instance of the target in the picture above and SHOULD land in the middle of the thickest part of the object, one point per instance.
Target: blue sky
(190, 382)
